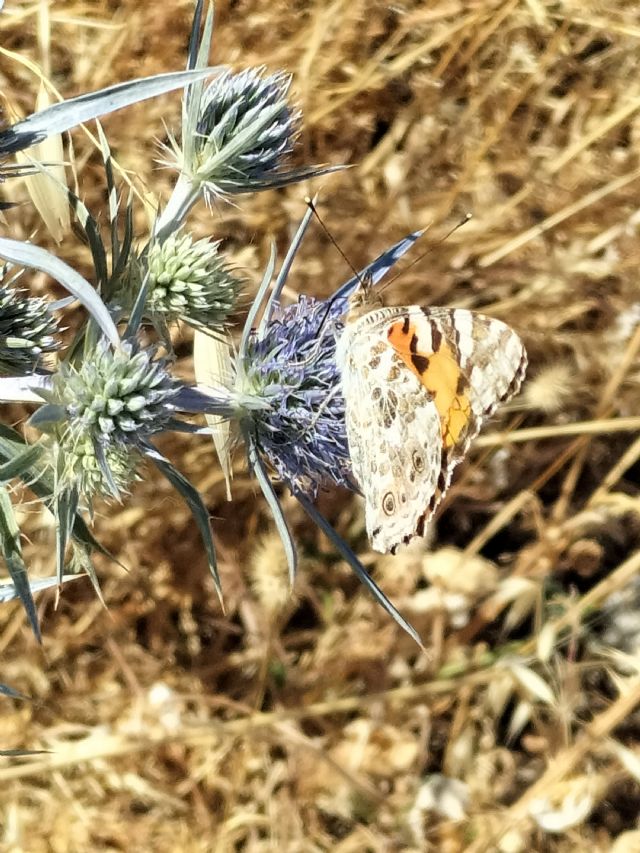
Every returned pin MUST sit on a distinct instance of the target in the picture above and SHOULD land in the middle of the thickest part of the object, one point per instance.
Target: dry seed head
(551, 390)
(269, 575)
(450, 570)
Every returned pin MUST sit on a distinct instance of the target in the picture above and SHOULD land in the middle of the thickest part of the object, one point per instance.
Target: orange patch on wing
(440, 374)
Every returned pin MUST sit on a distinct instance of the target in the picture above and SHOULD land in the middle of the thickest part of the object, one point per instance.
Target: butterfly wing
(450, 368)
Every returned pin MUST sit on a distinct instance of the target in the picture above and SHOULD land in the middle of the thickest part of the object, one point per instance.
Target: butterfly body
(417, 384)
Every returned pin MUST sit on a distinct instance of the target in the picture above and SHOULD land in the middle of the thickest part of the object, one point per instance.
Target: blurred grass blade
(75, 111)
(274, 505)
(12, 554)
(48, 196)
(358, 568)
(195, 503)
(28, 255)
(212, 365)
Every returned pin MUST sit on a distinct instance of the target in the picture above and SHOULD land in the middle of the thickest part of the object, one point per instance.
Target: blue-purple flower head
(245, 131)
(292, 367)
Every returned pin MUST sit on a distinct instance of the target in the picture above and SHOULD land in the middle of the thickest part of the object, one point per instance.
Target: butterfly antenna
(327, 313)
(462, 222)
(313, 209)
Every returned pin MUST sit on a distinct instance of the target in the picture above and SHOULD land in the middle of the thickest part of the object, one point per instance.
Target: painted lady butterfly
(418, 383)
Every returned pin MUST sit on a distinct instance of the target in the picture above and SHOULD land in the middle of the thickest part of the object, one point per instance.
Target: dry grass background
(311, 723)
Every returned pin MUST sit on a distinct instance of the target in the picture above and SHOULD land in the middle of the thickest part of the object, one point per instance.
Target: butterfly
(417, 384)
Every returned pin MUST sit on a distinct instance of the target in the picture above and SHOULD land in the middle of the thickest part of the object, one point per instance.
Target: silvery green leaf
(60, 304)
(274, 505)
(358, 568)
(137, 312)
(19, 465)
(112, 195)
(194, 37)
(69, 113)
(199, 49)
(18, 753)
(65, 507)
(292, 251)
(282, 179)
(203, 399)
(11, 549)
(8, 591)
(5, 690)
(28, 255)
(23, 389)
(127, 240)
(81, 561)
(195, 503)
(42, 485)
(47, 416)
(256, 305)
(91, 230)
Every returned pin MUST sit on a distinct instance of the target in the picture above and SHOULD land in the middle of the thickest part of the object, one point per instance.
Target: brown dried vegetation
(311, 723)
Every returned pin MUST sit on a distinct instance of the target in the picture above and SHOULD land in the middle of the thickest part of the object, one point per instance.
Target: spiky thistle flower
(301, 431)
(245, 130)
(288, 365)
(237, 134)
(191, 280)
(102, 412)
(27, 331)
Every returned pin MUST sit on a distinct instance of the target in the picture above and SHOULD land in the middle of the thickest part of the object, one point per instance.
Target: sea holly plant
(285, 393)
(102, 400)
(237, 133)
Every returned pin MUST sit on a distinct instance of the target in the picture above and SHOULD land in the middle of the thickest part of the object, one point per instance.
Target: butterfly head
(365, 298)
